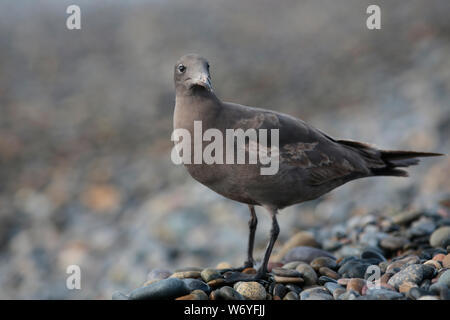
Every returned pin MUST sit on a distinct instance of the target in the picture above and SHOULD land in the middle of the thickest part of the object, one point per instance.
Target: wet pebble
(281, 272)
(186, 274)
(329, 273)
(209, 274)
(440, 237)
(194, 295)
(317, 293)
(308, 274)
(291, 295)
(251, 290)
(320, 262)
(353, 269)
(226, 293)
(413, 273)
(195, 284)
(169, 288)
(393, 243)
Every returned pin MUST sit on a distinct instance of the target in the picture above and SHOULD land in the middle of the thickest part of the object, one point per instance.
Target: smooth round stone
(317, 293)
(353, 269)
(338, 292)
(383, 294)
(302, 238)
(403, 262)
(308, 274)
(329, 273)
(251, 290)
(291, 295)
(286, 272)
(439, 257)
(279, 279)
(393, 243)
(332, 286)
(292, 264)
(224, 265)
(320, 262)
(406, 217)
(119, 296)
(440, 237)
(186, 274)
(372, 254)
(349, 295)
(422, 227)
(169, 288)
(324, 279)
(249, 271)
(416, 293)
(413, 273)
(195, 295)
(210, 274)
(305, 254)
(280, 290)
(227, 293)
(195, 284)
(356, 285)
(446, 261)
(433, 263)
(444, 278)
(406, 286)
(294, 288)
(216, 283)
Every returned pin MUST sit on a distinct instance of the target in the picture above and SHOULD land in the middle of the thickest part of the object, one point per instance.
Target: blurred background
(86, 118)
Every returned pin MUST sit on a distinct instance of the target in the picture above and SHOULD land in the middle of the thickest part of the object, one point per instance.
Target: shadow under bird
(311, 163)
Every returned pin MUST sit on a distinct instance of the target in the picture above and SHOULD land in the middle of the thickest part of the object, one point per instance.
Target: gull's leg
(262, 271)
(252, 223)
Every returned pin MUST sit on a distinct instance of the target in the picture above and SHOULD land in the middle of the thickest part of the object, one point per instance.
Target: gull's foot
(233, 277)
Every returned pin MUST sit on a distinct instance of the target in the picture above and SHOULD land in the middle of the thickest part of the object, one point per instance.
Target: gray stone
(440, 237)
(305, 254)
(169, 288)
(195, 284)
(413, 273)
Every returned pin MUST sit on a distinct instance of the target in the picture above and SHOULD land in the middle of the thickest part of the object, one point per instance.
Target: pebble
(281, 272)
(292, 264)
(446, 261)
(324, 279)
(291, 295)
(332, 286)
(308, 274)
(195, 284)
(186, 274)
(195, 295)
(383, 294)
(406, 286)
(305, 254)
(393, 243)
(349, 295)
(416, 293)
(280, 290)
(169, 288)
(249, 271)
(353, 269)
(356, 285)
(210, 274)
(224, 265)
(294, 287)
(372, 254)
(280, 279)
(226, 293)
(435, 264)
(338, 292)
(329, 273)
(406, 217)
(251, 290)
(413, 273)
(444, 278)
(216, 283)
(320, 262)
(440, 237)
(317, 293)
(302, 238)
(403, 262)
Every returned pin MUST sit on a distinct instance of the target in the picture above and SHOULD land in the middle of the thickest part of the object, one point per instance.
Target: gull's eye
(181, 68)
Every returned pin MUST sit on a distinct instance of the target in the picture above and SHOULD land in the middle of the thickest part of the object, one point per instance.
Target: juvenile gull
(311, 163)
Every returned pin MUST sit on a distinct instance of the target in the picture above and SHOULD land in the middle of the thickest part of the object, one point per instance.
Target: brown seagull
(311, 163)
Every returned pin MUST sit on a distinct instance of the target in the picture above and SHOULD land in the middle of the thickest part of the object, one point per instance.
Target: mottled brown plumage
(311, 162)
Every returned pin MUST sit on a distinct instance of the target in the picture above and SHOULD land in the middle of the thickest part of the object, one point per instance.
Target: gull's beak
(204, 81)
